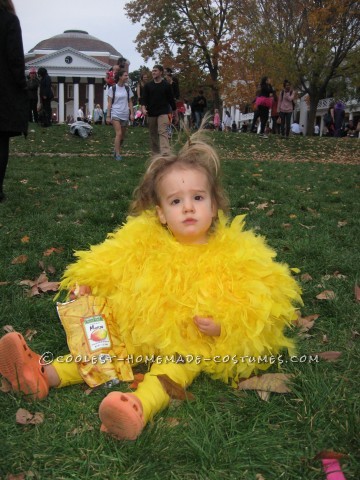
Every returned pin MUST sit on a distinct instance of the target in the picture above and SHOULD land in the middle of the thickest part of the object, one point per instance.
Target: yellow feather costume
(156, 286)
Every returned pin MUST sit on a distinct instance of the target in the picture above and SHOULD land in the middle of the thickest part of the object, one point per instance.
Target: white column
(91, 98)
(76, 100)
(105, 99)
(61, 118)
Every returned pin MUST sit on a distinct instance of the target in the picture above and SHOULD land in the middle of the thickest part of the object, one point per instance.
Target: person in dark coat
(33, 85)
(14, 111)
(46, 95)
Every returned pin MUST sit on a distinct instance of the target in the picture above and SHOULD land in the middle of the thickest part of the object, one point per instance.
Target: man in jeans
(158, 101)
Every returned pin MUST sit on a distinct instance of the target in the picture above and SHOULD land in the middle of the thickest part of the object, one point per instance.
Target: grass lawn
(65, 193)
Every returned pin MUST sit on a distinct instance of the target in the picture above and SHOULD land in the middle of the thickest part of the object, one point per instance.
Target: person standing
(98, 115)
(80, 114)
(199, 106)
(264, 103)
(339, 117)
(158, 102)
(216, 119)
(286, 108)
(140, 87)
(46, 95)
(119, 107)
(32, 86)
(14, 112)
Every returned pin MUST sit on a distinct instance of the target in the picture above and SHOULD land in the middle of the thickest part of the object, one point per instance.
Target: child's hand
(207, 326)
(80, 291)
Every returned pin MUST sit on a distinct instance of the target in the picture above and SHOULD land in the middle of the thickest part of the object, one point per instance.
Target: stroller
(139, 120)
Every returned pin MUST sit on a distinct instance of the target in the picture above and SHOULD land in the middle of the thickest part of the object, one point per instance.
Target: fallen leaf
(18, 476)
(25, 239)
(138, 378)
(329, 356)
(263, 395)
(325, 339)
(330, 454)
(354, 334)
(295, 270)
(357, 293)
(40, 285)
(305, 323)
(292, 215)
(259, 477)
(173, 389)
(306, 277)
(24, 417)
(262, 206)
(172, 422)
(29, 334)
(270, 213)
(5, 386)
(52, 250)
(326, 295)
(339, 275)
(286, 225)
(20, 259)
(342, 224)
(8, 328)
(4, 283)
(269, 382)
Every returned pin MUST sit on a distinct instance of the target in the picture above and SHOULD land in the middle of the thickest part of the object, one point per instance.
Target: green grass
(66, 192)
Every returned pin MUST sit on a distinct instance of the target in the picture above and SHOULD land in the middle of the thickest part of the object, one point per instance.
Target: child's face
(186, 205)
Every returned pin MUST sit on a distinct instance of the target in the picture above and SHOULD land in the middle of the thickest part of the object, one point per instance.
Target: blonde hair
(195, 154)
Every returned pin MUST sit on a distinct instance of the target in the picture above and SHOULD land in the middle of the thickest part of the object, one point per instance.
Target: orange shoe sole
(21, 367)
(121, 415)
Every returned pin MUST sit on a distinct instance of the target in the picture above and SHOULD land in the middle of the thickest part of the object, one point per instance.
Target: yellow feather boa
(157, 285)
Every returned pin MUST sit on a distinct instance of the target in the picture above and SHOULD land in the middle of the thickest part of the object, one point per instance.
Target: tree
(312, 42)
(186, 32)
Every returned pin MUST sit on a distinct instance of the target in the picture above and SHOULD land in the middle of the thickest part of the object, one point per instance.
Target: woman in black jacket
(264, 103)
(46, 95)
(14, 110)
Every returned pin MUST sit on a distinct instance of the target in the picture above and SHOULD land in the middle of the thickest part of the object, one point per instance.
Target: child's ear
(161, 215)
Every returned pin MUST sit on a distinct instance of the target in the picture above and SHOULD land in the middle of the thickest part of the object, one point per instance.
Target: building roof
(77, 39)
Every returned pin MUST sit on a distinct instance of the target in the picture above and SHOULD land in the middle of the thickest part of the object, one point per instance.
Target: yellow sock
(67, 371)
(153, 395)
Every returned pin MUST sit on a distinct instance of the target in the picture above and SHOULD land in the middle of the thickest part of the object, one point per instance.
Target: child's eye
(198, 197)
(175, 201)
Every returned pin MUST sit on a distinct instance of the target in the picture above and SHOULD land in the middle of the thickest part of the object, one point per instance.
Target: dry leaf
(259, 477)
(329, 356)
(262, 206)
(330, 454)
(305, 323)
(172, 422)
(5, 386)
(18, 476)
(326, 295)
(270, 382)
(325, 339)
(29, 334)
(263, 395)
(8, 328)
(354, 334)
(25, 239)
(286, 225)
(51, 250)
(40, 285)
(305, 277)
(342, 224)
(24, 417)
(4, 283)
(270, 213)
(292, 215)
(357, 293)
(20, 259)
(173, 389)
(138, 378)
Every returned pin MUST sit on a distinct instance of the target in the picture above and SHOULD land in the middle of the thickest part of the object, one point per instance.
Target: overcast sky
(42, 19)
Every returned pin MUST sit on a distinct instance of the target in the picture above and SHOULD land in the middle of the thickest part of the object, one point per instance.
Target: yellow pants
(150, 391)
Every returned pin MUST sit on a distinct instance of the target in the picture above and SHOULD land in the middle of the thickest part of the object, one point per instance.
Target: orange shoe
(121, 415)
(21, 367)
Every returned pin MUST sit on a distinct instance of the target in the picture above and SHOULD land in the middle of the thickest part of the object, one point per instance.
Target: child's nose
(189, 205)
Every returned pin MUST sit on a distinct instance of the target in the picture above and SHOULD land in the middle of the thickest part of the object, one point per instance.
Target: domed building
(77, 64)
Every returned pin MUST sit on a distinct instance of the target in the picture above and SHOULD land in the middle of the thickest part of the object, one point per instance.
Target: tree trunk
(314, 100)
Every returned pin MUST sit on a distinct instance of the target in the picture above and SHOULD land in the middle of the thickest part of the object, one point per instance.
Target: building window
(70, 91)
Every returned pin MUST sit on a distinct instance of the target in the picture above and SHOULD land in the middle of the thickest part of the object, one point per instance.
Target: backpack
(114, 90)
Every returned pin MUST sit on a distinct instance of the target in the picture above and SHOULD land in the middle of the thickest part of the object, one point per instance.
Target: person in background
(199, 107)
(120, 109)
(140, 86)
(174, 82)
(316, 130)
(216, 119)
(286, 108)
(275, 125)
(98, 115)
(80, 114)
(33, 86)
(157, 100)
(295, 128)
(339, 116)
(46, 95)
(14, 111)
(227, 121)
(264, 103)
(187, 114)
